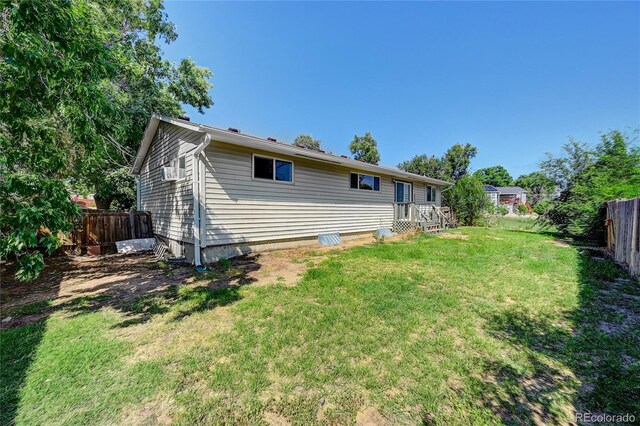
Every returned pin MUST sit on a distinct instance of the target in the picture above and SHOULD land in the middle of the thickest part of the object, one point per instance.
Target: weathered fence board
(103, 228)
(623, 233)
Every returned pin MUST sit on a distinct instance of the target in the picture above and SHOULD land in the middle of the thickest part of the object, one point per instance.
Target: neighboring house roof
(510, 190)
(489, 188)
(237, 138)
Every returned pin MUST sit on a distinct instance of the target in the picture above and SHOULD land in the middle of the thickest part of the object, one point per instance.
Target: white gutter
(253, 142)
(138, 195)
(198, 198)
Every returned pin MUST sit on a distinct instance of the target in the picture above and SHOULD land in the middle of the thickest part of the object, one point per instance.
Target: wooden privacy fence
(98, 230)
(623, 233)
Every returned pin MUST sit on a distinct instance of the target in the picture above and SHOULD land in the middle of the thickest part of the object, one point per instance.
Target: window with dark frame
(272, 169)
(431, 194)
(365, 182)
(284, 171)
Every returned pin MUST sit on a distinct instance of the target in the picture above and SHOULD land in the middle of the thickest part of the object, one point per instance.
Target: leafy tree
(118, 191)
(425, 165)
(79, 80)
(306, 141)
(589, 177)
(563, 170)
(542, 206)
(468, 200)
(538, 186)
(452, 166)
(457, 159)
(365, 148)
(496, 176)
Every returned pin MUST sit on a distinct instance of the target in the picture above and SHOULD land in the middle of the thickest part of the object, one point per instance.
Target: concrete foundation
(212, 254)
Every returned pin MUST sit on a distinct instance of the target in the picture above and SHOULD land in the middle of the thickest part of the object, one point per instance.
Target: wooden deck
(410, 217)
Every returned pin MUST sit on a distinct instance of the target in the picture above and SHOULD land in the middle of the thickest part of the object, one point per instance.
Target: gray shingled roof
(510, 190)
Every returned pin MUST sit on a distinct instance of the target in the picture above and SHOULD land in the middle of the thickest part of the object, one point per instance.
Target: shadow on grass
(181, 302)
(591, 366)
(18, 345)
(140, 290)
(17, 350)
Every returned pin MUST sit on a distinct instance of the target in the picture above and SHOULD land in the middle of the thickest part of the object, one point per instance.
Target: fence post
(634, 236)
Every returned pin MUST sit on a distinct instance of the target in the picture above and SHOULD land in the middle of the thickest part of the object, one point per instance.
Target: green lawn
(496, 325)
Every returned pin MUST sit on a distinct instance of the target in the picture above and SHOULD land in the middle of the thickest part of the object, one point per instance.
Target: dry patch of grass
(453, 236)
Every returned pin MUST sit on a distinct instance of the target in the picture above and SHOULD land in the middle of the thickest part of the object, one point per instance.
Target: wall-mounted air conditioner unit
(170, 173)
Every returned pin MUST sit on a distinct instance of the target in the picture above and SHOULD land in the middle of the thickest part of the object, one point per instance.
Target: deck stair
(424, 217)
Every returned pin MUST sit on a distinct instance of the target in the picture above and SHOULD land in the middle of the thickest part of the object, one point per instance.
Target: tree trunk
(103, 204)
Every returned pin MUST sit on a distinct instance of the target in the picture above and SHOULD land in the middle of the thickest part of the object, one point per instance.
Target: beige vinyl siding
(420, 194)
(241, 209)
(170, 203)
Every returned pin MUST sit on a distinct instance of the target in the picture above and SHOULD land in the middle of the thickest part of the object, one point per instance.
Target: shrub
(588, 177)
(468, 200)
(542, 207)
(522, 209)
(118, 191)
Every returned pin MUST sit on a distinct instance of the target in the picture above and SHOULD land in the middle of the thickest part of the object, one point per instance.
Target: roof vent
(185, 118)
(231, 129)
(344, 156)
(272, 139)
(322, 151)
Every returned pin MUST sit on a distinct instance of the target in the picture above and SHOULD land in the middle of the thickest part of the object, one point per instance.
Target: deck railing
(412, 216)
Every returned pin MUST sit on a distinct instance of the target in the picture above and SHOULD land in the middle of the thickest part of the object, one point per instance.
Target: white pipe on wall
(197, 177)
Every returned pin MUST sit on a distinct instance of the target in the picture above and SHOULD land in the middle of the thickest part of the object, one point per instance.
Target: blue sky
(514, 79)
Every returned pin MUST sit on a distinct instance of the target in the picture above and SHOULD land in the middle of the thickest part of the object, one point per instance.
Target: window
(180, 166)
(403, 192)
(366, 182)
(272, 169)
(284, 170)
(431, 194)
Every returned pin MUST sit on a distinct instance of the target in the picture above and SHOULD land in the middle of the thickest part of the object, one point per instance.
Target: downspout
(197, 196)
(138, 195)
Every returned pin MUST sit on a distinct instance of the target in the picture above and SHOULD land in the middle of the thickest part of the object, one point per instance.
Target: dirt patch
(560, 243)
(453, 236)
(67, 278)
(371, 417)
(275, 268)
(118, 279)
(274, 419)
(151, 413)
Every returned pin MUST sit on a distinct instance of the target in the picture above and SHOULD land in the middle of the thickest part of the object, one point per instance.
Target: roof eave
(281, 148)
(249, 141)
(150, 132)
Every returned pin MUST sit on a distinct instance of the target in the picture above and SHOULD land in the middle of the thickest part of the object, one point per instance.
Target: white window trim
(175, 162)
(395, 181)
(435, 193)
(365, 174)
(273, 176)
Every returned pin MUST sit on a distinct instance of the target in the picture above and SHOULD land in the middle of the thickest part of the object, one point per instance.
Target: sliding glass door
(403, 192)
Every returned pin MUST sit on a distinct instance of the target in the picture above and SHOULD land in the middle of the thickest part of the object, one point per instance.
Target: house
(509, 196)
(492, 193)
(512, 195)
(227, 193)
